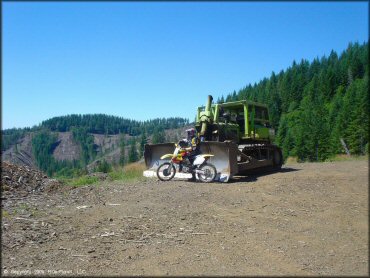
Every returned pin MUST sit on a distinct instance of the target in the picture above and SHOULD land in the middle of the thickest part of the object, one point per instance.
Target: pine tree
(143, 142)
(122, 157)
(158, 136)
(133, 155)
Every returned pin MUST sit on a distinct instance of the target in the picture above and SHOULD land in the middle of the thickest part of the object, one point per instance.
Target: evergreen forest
(313, 105)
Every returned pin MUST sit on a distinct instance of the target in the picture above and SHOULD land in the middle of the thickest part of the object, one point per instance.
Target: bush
(85, 180)
(104, 167)
(117, 175)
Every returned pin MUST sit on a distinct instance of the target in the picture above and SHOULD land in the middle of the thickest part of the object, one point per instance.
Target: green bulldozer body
(237, 133)
(237, 121)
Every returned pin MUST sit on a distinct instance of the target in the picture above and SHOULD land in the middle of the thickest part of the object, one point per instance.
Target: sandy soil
(307, 219)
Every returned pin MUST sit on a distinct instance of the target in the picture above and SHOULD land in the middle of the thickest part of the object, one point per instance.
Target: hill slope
(107, 148)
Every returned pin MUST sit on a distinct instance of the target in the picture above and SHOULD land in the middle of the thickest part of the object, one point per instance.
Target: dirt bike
(179, 160)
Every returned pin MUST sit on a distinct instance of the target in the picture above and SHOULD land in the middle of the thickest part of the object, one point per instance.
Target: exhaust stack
(205, 117)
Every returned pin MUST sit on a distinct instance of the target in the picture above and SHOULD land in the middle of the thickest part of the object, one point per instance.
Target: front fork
(180, 167)
(168, 170)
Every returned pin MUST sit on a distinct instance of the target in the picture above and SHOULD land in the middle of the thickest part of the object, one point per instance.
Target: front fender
(169, 155)
(205, 156)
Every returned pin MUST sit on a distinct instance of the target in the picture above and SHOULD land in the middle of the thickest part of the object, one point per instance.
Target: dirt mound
(22, 180)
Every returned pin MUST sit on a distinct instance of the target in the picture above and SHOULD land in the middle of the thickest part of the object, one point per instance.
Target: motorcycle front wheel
(206, 173)
(166, 171)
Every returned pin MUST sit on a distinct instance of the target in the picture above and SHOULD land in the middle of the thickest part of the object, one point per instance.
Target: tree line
(313, 105)
(98, 124)
(106, 124)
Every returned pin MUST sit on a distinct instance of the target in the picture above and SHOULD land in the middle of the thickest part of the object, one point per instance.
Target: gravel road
(307, 219)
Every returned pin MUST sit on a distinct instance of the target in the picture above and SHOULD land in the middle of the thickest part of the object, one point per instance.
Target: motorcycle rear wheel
(209, 173)
(166, 171)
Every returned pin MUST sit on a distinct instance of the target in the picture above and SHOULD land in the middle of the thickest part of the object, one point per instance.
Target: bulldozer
(237, 133)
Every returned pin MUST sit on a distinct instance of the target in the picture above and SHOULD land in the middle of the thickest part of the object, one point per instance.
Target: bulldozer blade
(224, 158)
(153, 153)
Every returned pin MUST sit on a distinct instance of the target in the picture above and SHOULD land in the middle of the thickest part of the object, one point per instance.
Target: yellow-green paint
(210, 114)
(216, 113)
(246, 122)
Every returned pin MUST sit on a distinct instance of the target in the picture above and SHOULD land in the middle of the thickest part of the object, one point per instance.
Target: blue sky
(144, 60)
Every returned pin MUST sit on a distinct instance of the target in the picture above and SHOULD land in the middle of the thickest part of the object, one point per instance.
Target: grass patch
(116, 175)
(338, 157)
(130, 172)
(344, 157)
(80, 181)
(291, 160)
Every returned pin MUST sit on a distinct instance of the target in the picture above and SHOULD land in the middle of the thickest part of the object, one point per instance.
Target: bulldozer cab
(235, 121)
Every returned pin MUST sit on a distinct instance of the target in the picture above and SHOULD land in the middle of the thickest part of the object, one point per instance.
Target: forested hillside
(98, 124)
(129, 138)
(105, 124)
(314, 104)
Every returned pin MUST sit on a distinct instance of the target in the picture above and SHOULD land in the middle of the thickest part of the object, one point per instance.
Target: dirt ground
(307, 219)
